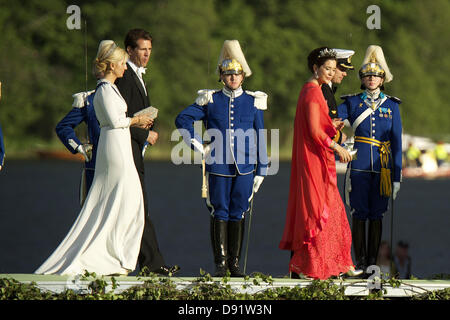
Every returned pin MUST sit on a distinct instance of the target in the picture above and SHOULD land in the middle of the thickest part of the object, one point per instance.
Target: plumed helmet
(232, 59)
(374, 64)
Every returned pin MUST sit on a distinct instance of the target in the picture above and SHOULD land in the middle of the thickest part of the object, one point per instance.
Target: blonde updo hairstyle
(108, 53)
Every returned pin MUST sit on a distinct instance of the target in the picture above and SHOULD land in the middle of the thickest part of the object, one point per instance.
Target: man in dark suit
(138, 44)
(343, 65)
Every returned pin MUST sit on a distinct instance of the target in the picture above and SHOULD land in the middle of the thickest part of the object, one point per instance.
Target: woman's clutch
(152, 112)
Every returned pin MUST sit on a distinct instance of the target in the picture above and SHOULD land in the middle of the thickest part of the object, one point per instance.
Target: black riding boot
(359, 243)
(235, 239)
(375, 230)
(219, 242)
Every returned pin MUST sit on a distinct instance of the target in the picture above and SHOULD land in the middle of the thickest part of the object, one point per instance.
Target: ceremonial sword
(392, 218)
(248, 231)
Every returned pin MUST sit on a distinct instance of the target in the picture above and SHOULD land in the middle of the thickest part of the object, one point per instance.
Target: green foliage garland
(203, 288)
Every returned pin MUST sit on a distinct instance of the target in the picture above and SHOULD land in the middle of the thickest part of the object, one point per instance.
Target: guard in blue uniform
(236, 158)
(83, 110)
(375, 175)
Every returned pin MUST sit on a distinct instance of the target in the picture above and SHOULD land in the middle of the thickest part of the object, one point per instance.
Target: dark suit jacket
(131, 89)
(328, 94)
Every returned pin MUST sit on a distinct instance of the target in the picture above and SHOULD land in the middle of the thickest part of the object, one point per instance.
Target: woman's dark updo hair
(319, 56)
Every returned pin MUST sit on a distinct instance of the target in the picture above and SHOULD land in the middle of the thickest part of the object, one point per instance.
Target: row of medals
(385, 114)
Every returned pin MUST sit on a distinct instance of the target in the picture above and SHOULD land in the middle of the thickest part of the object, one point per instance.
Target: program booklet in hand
(150, 111)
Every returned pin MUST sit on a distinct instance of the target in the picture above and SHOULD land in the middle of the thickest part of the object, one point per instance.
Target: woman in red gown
(316, 230)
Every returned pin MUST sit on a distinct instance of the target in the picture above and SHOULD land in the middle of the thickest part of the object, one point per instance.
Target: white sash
(365, 114)
(361, 118)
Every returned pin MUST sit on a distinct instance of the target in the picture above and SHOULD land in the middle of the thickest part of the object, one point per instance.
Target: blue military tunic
(234, 121)
(66, 133)
(378, 138)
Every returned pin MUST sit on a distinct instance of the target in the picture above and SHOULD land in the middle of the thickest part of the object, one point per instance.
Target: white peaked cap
(232, 49)
(374, 52)
(344, 53)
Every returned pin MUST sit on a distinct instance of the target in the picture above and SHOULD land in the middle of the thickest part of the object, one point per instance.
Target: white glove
(198, 146)
(86, 151)
(396, 189)
(257, 181)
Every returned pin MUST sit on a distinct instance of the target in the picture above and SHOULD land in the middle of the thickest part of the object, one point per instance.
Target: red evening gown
(316, 226)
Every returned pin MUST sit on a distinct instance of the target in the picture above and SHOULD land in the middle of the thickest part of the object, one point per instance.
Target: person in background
(384, 260)
(402, 260)
(376, 123)
(413, 156)
(440, 153)
(428, 161)
(316, 230)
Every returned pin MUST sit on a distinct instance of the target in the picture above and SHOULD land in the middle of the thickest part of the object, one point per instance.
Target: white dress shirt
(139, 71)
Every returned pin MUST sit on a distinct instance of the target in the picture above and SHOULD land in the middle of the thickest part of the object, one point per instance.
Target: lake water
(39, 203)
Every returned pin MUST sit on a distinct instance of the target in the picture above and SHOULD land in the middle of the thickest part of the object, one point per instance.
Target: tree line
(42, 61)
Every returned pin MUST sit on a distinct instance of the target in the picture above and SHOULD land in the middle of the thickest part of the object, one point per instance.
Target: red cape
(312, 170)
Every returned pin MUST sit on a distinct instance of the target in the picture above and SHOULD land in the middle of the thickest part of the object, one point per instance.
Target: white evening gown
(106, 235)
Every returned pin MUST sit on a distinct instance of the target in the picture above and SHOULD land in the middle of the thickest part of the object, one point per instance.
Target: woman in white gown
(106, 235)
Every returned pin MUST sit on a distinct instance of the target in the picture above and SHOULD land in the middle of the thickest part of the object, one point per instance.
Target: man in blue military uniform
(236, 158)
(376, 123)
(82, 111)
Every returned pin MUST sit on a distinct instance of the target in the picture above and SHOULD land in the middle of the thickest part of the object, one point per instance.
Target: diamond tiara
(327, 53)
